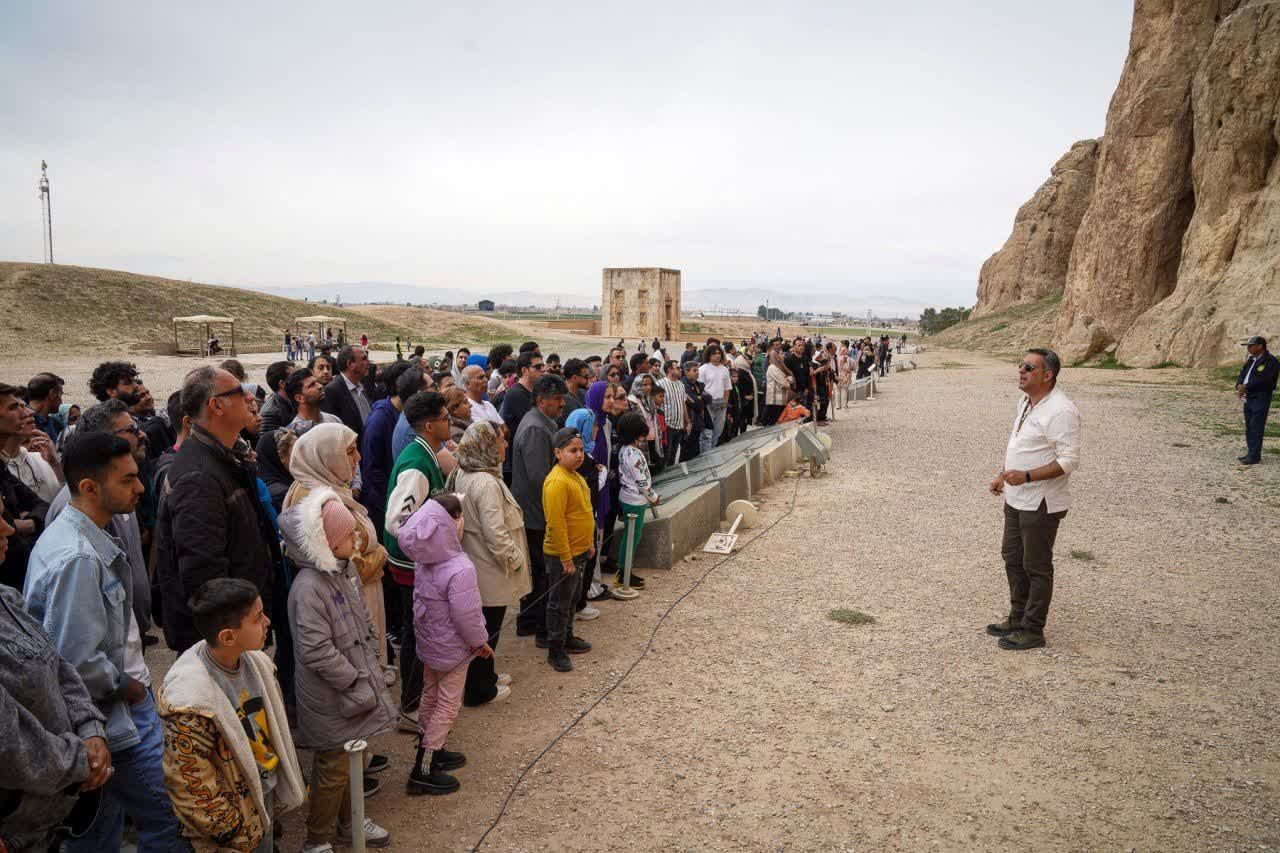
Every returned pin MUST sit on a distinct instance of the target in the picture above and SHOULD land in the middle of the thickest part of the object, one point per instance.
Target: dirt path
(755, 723)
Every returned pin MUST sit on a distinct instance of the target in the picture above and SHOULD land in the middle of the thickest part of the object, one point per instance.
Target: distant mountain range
(906, 299)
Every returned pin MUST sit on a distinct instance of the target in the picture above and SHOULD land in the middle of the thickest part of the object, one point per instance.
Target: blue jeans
(136, 788)
(1255, 423)
(710, 437)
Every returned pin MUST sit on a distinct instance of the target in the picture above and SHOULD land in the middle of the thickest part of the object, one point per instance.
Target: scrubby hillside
(69, 310)
(1010, 331)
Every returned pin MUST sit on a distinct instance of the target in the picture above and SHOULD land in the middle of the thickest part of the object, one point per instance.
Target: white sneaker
(374, 835)
(317, 848)
(503, 692)
(504, 679)
(587, 613)
(389, 675)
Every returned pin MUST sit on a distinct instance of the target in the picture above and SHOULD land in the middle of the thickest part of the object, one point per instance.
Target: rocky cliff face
(1032, 264)
(1176, 257)
(1228, 284)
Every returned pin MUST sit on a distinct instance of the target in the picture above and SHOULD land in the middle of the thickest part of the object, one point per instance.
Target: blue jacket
(78, 587)
(1262, 381)
(401, 437)
(376, 459)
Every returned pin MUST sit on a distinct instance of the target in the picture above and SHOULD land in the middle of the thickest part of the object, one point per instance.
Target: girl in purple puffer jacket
(449, 628)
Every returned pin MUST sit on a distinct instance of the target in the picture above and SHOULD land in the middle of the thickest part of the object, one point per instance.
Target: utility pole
(46, 212)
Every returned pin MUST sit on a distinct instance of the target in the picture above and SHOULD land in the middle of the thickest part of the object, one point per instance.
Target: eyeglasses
(229, 392)
(131, 429)
(1027, 368)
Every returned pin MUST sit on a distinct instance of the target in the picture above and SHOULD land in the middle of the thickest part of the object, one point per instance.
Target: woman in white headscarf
(327, 456)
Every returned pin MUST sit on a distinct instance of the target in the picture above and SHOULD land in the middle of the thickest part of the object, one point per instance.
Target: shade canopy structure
(208, 321)
(320, 323)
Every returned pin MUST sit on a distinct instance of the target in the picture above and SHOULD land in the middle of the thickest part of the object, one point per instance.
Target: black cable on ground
(648, 645)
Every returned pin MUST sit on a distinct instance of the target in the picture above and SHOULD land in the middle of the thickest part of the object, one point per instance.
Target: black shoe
(1248, 460)
(1003, 628)
(602, 595)
(577, 646)
(1021, 640)
(377, 764)
(637, 582)
(542, 642)
(424, 780)
(443, 759)
(523, 631)
(559, 660)
(371, 787)
(149, 640)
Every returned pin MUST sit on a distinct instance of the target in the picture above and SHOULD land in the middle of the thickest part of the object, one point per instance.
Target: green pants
(630, 538)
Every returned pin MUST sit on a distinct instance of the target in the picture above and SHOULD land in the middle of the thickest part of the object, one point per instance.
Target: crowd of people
(307, 542)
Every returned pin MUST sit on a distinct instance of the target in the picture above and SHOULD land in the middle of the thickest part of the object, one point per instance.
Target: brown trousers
(1027, 549)
(330, 795)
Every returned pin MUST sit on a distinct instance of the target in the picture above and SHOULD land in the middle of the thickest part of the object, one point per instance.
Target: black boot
(558, 659)
(426, 779)
(576, 646)
(443, 759)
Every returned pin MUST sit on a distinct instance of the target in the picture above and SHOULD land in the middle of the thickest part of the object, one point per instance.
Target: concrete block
(733, 485)
(777, 459)
(681, 526)
(755, 468)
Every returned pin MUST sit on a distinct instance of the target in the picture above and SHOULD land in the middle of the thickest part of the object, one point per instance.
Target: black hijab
(271, 469)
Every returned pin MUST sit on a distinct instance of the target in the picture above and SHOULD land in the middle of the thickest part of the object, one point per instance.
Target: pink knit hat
(338, 522)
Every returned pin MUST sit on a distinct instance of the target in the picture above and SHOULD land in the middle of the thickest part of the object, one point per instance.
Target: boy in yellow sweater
(569, 546)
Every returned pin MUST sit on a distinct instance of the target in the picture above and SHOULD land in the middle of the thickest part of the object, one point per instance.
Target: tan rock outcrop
(1228, 284)
(1129, 245)
(1032, 264)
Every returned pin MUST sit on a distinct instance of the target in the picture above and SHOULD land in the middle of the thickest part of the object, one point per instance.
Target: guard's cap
(1256, 339)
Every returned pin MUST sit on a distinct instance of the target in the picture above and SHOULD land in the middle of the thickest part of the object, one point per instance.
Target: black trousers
(482, 674)
(533, 611)
(675, 441)
(1027, 549)
(771, 413)
(562, 596)
(1255, 424)
(410, 666)
(824, 400)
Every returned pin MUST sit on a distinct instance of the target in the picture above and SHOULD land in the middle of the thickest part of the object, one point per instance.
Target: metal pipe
(355, 755)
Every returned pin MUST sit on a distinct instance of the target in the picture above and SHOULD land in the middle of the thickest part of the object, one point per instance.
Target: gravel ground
(755, 722)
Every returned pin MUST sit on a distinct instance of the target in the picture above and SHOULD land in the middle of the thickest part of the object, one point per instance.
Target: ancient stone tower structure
(640, 302)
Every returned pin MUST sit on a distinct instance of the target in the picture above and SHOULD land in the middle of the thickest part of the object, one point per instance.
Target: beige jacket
(493, 537)
(777, 386)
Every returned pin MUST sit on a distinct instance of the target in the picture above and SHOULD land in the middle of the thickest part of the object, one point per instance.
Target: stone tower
(640, 302)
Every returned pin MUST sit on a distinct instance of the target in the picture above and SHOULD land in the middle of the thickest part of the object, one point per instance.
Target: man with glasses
(416, 477)
(1042, 453)
(518, 400)
(211, 523)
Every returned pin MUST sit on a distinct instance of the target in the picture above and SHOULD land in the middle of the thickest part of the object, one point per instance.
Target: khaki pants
(330, 795)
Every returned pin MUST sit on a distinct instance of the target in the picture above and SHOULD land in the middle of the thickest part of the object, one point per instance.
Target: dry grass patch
(851, 617)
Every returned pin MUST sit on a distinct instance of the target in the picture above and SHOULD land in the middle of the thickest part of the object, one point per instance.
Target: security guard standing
(1255, 385)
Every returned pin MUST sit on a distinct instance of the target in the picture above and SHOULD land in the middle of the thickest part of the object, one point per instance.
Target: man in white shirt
(1043, 451)
(714, 377)
(475, 383)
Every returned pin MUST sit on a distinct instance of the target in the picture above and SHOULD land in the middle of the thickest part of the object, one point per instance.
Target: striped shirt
(673, 402)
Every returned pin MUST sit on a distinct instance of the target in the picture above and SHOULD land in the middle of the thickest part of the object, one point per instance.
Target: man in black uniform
(1255, 385)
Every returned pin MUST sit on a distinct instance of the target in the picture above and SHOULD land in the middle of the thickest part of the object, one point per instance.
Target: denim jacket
(78, 587)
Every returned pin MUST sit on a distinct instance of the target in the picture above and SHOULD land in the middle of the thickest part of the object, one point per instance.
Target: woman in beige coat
(493, 537)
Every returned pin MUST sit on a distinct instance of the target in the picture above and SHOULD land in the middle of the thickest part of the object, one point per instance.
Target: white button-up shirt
(1049, 432)
(483, 410)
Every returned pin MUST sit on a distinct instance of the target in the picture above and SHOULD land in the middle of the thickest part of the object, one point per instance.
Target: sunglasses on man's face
(1027, 368)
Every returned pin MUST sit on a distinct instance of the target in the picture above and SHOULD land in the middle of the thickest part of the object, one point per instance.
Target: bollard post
(355, 755)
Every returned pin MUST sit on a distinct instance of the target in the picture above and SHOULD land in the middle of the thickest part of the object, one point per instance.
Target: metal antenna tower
(46, 212)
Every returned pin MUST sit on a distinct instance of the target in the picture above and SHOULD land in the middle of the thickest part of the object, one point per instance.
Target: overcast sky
(871, 149)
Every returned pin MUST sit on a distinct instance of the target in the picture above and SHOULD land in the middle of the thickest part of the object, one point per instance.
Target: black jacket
(338, 401)
(19, 502)
(276, 413)
(1263, 379)
(211, 525)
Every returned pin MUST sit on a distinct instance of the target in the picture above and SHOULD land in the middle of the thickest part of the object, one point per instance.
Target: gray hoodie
(46, 715)
(339, 684)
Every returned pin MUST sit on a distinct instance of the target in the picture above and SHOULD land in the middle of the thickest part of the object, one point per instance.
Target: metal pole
(355, 755)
